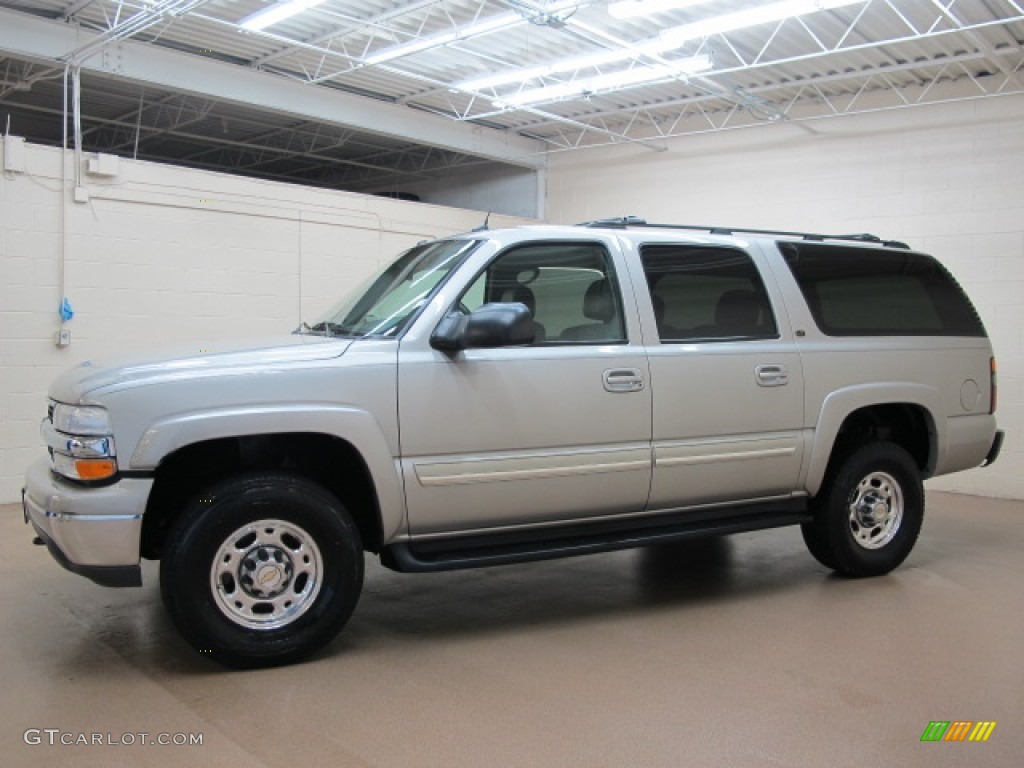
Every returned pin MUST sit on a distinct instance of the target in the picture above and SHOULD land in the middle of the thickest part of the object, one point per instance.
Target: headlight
(80, 443)
(81, 420)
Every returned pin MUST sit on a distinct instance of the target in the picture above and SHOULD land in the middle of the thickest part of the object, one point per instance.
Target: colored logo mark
(958, 730)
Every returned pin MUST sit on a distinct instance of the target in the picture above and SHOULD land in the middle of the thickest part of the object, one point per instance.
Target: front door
(556, 430)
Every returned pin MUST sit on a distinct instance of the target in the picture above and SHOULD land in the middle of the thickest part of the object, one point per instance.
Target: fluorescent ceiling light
(545, 70)
(630, 9)
(275, 13)
(493, 24)
(475, 29)
(652, 46)
(668, 40)
(597, 84)
(604, 83)
(749, 17)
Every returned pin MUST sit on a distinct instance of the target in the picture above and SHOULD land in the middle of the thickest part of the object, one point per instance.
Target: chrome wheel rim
(876, 510)
(266, 574)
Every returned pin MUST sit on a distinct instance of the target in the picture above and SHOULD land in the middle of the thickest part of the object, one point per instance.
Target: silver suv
(513, 395)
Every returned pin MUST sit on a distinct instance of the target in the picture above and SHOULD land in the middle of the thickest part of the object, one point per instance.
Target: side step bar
(477, 551)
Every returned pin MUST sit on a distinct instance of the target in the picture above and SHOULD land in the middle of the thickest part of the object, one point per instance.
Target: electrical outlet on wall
(63, 337)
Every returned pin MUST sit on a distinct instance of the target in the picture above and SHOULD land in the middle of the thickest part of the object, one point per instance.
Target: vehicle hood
(241, 358)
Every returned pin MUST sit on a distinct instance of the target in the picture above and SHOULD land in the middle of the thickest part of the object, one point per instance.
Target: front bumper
(93, 532)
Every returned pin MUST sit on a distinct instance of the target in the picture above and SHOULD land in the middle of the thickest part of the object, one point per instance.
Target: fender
(353, 425)
(841, 403)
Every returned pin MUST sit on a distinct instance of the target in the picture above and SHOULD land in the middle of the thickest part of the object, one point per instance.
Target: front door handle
(771, 375)
(623, 380)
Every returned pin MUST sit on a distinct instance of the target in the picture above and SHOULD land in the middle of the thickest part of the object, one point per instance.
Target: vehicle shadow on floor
(688, 574)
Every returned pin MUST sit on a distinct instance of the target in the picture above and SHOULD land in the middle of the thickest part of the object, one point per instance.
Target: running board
(504, 548)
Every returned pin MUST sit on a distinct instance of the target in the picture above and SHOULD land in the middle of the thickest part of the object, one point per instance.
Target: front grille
(49, 417)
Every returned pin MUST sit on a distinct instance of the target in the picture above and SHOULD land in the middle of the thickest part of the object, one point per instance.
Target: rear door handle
(771, 375)
(623, 380)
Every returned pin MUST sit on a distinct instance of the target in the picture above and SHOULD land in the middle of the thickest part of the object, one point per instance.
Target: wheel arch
(901, 414)
(342, 449)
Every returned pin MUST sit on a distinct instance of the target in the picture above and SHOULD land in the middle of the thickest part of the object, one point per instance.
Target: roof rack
(624, 222)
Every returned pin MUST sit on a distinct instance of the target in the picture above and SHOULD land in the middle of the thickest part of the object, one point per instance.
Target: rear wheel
(262, 569)
(868, 515)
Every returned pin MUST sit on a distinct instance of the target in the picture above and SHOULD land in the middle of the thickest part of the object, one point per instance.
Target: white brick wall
(949, 179)
(162, 255)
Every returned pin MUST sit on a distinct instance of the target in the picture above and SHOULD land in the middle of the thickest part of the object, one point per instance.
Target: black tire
(262, 569)
(869, 512)
(813, 539)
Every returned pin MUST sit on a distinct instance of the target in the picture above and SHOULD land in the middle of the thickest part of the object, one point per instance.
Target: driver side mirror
(489, 326)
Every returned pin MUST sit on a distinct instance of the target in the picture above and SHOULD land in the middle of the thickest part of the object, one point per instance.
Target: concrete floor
(729, 652)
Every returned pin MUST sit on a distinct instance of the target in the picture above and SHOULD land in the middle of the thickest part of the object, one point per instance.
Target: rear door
(726, 377)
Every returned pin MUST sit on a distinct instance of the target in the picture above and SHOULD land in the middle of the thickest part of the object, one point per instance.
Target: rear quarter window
(867, 292)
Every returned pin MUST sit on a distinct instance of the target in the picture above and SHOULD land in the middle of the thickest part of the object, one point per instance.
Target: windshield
(386, 304)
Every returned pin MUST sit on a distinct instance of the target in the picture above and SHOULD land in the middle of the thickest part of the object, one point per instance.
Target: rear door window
(703, 293)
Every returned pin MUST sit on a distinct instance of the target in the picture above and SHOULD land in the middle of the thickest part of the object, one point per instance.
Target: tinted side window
(862, 292)
(706, 294)
(569, 287)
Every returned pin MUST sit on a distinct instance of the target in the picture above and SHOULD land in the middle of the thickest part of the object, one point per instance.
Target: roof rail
(624, 222)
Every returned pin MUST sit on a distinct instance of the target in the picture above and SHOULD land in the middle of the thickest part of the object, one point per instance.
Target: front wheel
(262, 569)
(868, 514)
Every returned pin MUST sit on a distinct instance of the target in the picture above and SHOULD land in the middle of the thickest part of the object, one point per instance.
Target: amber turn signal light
(95, 469)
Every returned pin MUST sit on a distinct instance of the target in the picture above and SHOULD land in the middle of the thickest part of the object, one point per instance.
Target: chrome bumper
(93, 532)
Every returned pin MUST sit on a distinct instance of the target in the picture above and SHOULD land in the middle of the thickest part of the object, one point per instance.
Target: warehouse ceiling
(369, 95)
